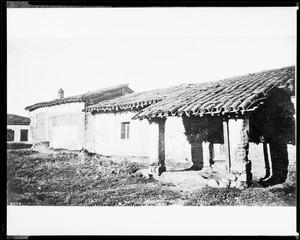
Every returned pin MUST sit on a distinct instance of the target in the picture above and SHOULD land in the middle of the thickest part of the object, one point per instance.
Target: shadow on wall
(199, 130)
(274, 124)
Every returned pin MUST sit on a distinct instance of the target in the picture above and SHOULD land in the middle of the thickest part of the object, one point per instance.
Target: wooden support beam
(211, 153)
(161, 146)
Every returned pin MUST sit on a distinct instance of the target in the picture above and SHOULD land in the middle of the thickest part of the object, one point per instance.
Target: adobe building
(242, 122)
(62, 123)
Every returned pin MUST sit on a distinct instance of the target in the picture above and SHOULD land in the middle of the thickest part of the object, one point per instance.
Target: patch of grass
(274, 196)
(59, 178)
(69, 178)
(214, 196)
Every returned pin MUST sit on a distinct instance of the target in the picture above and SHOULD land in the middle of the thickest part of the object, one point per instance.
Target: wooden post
(161, 146)
(211, 153)
(226, 143)
(245, 147)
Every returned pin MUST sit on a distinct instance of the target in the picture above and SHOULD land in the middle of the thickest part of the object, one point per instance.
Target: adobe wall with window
(18, 133)
(116, 134)
(63, 126)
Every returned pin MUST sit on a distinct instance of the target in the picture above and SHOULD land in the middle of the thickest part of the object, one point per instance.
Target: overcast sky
(86, 49)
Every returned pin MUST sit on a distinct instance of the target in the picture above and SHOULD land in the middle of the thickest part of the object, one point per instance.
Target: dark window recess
(10, 135)
(125, 130)
(24, 135)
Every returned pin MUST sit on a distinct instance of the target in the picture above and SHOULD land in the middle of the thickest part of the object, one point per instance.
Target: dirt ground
(68, 178)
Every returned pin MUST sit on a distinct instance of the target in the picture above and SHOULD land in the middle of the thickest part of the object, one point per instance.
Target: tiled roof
(82, 97)
(13, 119)
(241, 93)
(136, 100)
(237, 94)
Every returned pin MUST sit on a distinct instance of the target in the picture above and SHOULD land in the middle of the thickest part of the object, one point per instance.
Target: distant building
(18, 129)
(62, 122)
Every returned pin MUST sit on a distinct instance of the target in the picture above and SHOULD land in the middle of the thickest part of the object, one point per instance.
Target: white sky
(85, 49)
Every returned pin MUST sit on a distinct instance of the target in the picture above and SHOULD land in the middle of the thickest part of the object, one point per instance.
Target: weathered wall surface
(108, 135)
(90, 132)
(37, 125)
(256, 156)
(177, 145)
(66, 131)
(143, 137)
(103, 135)
(17, 132)
(292, 154)
(62, 125)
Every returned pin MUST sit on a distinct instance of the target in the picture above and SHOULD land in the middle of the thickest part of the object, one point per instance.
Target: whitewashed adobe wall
(108, 135)
(61, 125)
(143, 137)
(17, 132)
(177, 146)
(90, 133)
